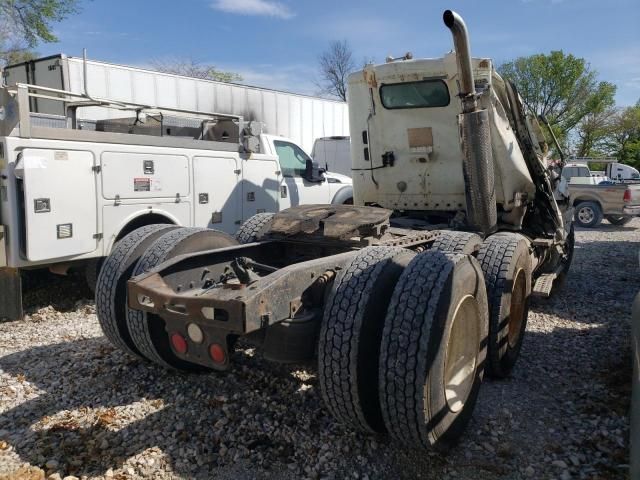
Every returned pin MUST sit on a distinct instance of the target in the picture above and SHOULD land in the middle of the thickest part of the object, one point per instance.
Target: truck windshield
(423, 94)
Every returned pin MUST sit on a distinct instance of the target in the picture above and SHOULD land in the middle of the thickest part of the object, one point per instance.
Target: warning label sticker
(141, 184)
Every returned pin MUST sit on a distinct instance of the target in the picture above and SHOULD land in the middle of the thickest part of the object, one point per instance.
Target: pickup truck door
(296, 190)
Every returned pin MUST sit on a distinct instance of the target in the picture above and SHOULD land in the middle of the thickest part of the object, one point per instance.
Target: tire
(506, 264)
(440, 297)
(350, 334)
(588, 214)
(91, 272)
(254, 228)
(618, 219)
(111, 287)
(457, 242)
(148, 330)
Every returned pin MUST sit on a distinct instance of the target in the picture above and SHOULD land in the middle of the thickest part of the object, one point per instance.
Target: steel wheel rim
(517, 308)
(462, 353)
(585, 214)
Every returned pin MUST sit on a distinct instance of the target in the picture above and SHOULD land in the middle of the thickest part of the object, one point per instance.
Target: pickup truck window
(293, 160)
(426, 93)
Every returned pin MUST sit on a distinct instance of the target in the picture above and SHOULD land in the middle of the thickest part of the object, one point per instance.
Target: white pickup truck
(67, 195)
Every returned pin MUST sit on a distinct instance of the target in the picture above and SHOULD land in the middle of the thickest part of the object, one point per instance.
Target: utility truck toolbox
(408, 296)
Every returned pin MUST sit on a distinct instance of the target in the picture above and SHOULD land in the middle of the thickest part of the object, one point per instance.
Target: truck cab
(305, 181)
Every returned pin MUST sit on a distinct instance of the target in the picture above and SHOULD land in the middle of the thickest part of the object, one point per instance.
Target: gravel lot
(71, 405)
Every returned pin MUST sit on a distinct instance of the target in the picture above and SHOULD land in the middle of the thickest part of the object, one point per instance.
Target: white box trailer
(301, 118)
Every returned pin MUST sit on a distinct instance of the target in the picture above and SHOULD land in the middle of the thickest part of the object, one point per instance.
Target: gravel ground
(71, 405)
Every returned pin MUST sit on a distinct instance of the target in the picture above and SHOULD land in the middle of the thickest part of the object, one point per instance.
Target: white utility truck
(69, 194)
(407, 296)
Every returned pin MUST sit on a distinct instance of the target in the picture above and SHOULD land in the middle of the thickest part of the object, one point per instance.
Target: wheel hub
(585, 214)
(462, 353)
(517, 310)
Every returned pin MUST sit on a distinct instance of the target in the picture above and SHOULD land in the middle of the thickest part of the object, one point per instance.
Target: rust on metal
(331, 221)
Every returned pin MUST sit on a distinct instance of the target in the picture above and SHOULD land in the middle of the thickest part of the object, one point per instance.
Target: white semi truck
(406, 297)
(69, 194)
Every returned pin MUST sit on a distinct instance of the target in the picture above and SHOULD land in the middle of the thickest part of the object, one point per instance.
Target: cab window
(293, 160)
(423, 94)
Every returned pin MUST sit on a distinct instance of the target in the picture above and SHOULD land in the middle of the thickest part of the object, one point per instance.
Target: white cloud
(254, 7)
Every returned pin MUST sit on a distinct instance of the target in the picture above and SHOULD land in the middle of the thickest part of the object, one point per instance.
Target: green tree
(190, 68)
(562, 87)
(623, 140)
(25, 23)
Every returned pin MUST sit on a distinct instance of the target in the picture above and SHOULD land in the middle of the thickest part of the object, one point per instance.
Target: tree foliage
(562, 87)
(25, 23)
(190, 68)
(336, 63)
(623, 140)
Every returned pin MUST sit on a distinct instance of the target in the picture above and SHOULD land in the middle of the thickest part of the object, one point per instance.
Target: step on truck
(72, 188)
(405, 298)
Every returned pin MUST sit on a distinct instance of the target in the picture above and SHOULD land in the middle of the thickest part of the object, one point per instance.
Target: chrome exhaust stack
(475, 136)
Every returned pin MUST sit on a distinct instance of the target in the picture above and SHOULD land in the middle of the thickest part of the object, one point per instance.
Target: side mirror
(312, 172)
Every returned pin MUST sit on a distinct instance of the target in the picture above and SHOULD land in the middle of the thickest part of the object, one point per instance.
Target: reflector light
(195, 333)
(217, 353)
(179, 343)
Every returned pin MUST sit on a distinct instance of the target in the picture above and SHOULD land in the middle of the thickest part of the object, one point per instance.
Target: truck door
(293, 164)
(260, 185)
(59, 193)
(217, 193)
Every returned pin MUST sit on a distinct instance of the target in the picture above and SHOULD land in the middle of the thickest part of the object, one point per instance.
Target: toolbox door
(217, 193)
(59, 193)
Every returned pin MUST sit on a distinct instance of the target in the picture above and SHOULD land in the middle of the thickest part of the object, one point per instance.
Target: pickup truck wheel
(618, 219)
(507, 271)
(350, 333)
(433, 349)
(148, 330)
(457, 242)
(111, 287)
(588, 214)
(254, 228)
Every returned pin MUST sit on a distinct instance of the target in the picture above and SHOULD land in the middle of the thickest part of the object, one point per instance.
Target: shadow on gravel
(42, 288)
(567, 383)
(199, 425)
(608, 227)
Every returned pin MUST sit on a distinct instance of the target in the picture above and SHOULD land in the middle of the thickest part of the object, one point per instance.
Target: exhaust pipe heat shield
(479, 177)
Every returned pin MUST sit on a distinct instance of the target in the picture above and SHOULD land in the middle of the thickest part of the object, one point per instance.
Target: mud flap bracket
(10, 294)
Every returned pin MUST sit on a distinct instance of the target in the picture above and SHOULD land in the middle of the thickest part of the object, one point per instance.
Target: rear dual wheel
(506, 264)
(133, 331)
(148, 330)
(433, 349)
(402, 344)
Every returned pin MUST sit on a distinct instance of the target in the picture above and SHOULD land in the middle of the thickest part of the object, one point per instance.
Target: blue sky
(276, 43)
